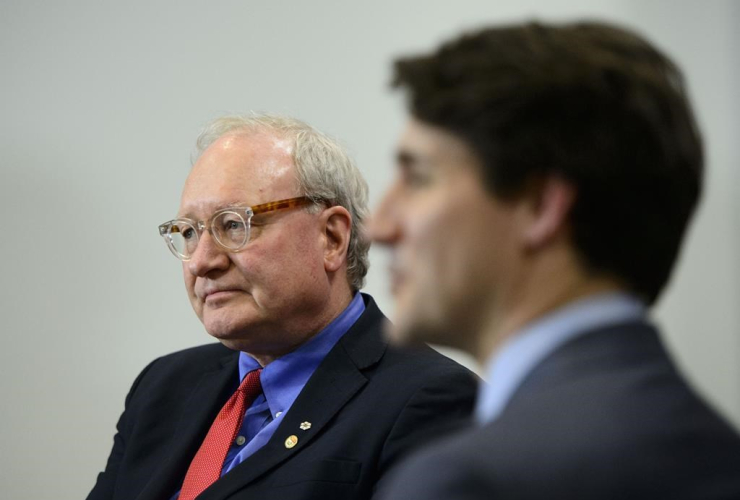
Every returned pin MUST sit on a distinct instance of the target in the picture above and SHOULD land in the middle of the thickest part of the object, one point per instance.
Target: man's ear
(337, 224)
(549, 205)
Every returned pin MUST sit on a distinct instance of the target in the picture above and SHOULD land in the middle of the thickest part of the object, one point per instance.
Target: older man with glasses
(302, 398)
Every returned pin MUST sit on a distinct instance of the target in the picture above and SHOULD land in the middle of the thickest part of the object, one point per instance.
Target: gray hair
(324, 169)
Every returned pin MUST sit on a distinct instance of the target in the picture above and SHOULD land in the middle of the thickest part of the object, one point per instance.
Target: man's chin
(409, 331)
(233, 344)
(235, 340)
(223, 331)
(421, 325)
(238, 335)
(398, 335)
(229, 322)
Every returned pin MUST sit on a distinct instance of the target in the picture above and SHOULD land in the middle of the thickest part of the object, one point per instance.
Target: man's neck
(335, 305)
(534, 302)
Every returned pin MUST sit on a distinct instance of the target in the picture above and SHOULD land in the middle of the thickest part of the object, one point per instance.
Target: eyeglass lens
(228, 228)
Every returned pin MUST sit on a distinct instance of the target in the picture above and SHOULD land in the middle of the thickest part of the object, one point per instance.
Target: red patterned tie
(208, 462)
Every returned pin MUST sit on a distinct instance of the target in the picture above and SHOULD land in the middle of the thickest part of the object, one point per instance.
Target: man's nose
(208, 256)
(384, 225)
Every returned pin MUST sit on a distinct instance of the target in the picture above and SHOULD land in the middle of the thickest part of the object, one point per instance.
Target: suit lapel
(337, 379)
(210, 393)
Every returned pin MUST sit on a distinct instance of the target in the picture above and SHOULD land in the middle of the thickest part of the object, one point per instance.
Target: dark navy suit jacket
(606, 416)
(368, 403)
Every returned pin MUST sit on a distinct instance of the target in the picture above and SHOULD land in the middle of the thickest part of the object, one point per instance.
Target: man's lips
(220, 294)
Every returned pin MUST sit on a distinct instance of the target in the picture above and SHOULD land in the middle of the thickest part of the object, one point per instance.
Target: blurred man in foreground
(545, 181)
(302, 399)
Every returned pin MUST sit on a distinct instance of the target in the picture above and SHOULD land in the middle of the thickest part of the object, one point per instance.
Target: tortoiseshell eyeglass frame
(172, 226)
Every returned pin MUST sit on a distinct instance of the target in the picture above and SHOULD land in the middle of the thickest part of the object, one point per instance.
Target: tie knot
(251, 385)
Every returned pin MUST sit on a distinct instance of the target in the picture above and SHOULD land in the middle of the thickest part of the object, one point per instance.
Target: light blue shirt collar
(518, 356)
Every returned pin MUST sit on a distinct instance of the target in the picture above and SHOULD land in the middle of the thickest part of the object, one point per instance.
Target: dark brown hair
(592, 103)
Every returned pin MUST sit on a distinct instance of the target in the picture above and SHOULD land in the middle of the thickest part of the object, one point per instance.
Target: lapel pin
(291, 441)
(305, 426)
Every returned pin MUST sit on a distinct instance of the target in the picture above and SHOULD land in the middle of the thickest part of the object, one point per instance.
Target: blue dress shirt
(282, 382)
(525, 349)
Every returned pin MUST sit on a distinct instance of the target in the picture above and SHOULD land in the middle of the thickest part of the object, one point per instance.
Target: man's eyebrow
(221, 206)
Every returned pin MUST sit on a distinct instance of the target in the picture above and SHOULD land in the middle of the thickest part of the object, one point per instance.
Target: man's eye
(188, 233)
(233, 225)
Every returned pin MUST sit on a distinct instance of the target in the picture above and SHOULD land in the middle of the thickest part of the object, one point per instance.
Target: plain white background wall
(100, 103)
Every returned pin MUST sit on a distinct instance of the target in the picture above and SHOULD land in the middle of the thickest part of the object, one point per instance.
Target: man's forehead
(247, 152)
(239, 171)
(427, 146)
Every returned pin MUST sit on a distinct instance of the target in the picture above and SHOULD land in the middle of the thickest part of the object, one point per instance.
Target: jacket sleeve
(105, 485)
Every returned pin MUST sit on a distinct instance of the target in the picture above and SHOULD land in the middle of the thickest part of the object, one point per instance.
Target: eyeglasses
(228, 227)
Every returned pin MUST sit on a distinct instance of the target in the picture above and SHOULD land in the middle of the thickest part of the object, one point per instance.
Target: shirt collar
(284, 378)
(518, 356)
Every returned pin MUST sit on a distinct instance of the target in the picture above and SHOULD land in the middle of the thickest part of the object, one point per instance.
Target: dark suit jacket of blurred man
(368, 404)
(605, 416)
